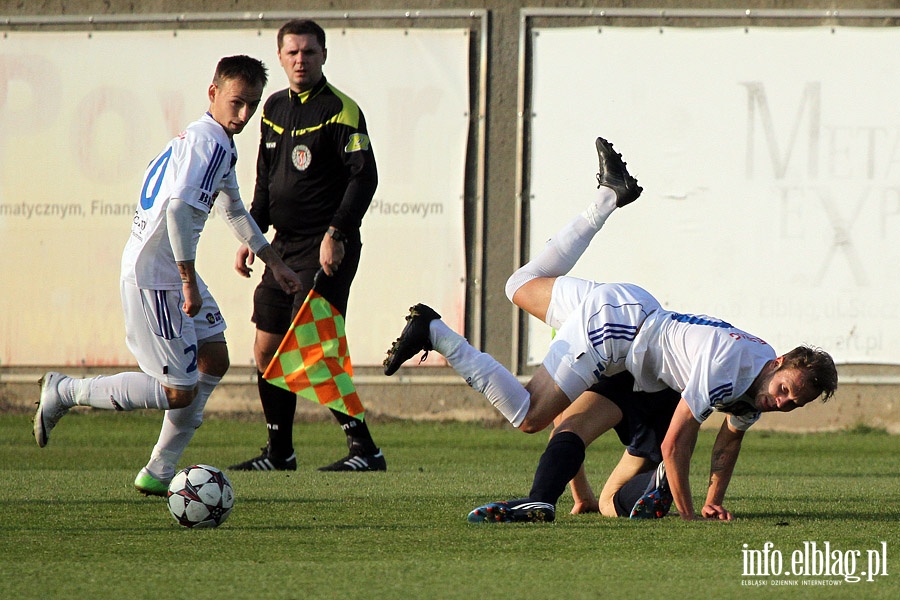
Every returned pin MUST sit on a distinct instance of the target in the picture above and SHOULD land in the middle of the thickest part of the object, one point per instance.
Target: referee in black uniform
(315, 178)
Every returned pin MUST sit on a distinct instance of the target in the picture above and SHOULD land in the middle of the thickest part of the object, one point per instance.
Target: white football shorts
(598, 324)
(162, 338)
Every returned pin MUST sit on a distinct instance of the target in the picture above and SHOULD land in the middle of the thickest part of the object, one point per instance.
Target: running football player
(173, 325)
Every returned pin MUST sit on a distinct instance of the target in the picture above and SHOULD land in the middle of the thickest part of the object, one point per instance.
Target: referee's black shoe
(267, 462)
(414, 338)
(358, 460)
(614, 174)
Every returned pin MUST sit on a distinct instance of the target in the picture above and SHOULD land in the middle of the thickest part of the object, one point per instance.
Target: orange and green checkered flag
(313, 360)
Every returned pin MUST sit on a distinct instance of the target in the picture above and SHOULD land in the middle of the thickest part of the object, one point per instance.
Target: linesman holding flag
(315, 179)
(313, 359)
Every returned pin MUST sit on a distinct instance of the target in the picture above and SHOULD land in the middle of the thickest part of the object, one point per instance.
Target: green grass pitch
(71, 525)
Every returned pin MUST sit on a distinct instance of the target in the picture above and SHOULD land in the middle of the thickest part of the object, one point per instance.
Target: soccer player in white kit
(173, 325)
(605, 328)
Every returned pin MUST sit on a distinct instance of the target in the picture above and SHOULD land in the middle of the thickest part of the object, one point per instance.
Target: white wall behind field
(770, 159)
(767, 154)
(76, 136)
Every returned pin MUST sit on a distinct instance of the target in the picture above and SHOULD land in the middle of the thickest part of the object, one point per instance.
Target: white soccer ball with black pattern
(200, 496)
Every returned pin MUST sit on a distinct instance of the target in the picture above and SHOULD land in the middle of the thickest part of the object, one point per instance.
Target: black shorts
(645, 416)
(274, 310)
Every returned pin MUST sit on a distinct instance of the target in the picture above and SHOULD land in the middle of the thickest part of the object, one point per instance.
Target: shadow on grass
(254, 528)
(89, 502)
(806, 516)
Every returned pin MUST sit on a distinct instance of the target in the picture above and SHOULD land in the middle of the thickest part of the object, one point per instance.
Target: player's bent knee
(516, 281)
(532, 425)
(180, 398)
(213, 356)
(179, 402)
(608, 507)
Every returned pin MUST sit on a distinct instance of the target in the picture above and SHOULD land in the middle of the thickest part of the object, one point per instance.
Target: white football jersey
(194, 167)
(711, 361)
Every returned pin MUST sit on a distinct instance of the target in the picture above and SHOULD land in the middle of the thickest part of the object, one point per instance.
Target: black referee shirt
(315, 167)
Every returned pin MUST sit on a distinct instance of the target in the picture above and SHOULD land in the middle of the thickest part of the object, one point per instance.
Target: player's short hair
(246, 68)
(301, 27)
(817, 367)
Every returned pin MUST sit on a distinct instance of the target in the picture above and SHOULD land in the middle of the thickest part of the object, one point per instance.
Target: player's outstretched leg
(50, 408)
(414, 338)
(424, 330)
(616, 188)
(614, 174)
(121, 392)
(524, 510)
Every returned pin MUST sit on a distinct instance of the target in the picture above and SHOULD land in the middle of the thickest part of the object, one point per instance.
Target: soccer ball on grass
(200, 496)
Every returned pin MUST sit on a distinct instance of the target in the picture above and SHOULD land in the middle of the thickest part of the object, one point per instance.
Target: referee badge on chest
(301, 156)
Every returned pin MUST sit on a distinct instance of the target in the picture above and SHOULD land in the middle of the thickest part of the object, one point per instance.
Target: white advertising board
(82, 114)
(770, 159)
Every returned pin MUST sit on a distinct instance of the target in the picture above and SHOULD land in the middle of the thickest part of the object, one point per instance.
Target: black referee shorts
(274, 310)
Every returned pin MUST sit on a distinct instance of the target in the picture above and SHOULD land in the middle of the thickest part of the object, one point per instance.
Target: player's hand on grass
(587, 505)
(243, 260)
(716, 512)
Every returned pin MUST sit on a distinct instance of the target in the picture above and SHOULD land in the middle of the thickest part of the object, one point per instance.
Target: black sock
(625, 499)
(558, 465)
(278, 405)
(357, 432)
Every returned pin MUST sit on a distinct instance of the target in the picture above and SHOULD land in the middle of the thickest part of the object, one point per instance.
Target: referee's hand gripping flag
(313, 360)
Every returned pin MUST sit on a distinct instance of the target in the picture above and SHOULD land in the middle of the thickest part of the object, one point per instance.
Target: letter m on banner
(313, 360)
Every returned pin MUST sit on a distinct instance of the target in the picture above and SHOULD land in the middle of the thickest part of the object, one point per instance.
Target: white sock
(568, 245)
(599, 210)
(178, 429)
(482, 372)
(125, 391)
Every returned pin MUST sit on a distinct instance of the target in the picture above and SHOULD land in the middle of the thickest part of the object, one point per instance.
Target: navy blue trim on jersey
(697, 320)
(717, 394)
(214, 164)
(612, 331)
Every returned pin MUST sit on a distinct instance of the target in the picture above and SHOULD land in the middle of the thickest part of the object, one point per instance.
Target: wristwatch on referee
(336, 235)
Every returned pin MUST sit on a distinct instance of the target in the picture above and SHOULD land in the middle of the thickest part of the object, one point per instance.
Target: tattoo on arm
(719, 460)
(186, 270)
(719, 464)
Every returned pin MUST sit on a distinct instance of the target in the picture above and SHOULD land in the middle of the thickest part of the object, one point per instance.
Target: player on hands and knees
(636, 487)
